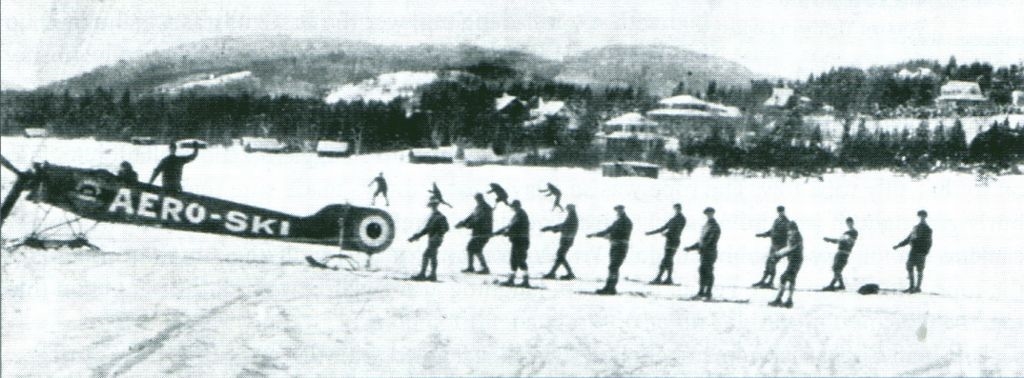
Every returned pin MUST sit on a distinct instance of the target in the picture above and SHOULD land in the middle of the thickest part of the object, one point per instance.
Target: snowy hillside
(384, 88)
(158, 302)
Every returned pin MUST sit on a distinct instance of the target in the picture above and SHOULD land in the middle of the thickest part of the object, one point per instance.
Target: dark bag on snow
(868, 289)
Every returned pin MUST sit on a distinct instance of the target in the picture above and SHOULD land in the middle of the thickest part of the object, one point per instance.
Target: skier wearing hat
(779, 234)
(920, 240)
(794, 252)
(842, 256)
(672, 230)
(708, 248)
(618, 235)
(435, 229)
(568, 229)
(518, 232)
(481, 223)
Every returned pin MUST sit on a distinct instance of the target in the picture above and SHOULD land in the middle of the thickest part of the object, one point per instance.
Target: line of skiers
(785, 236)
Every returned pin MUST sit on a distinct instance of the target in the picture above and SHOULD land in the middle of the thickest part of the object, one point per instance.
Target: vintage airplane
(101, 196)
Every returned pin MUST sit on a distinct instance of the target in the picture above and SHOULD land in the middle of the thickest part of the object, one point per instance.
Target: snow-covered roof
(956, 90)
(779, 97)
(630, 119)
(682, 100)
(631, 135)
(547, 108)
(679, 113)
(504, 101)
(725, 110)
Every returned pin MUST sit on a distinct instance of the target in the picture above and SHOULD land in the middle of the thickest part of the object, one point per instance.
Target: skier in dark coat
(708, 248)
(779, 234)
(554, 191)
(435, 195)
(518, 232)
(126, 174)
(171, 166)
(500, 195)
(842, 256)
(382, 189)
(435, 229)
(794, 253)
(618, 234)
(672, 230)
(920, 240)
(568, 229)
(481, 222)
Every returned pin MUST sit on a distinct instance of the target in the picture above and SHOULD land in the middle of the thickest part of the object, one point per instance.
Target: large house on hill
(957, 93)
(688, 116)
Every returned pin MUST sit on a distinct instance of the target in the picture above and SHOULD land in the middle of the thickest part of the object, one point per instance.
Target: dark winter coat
(436, 227)
(779, 231)
(171, 167)
(568, 228)
(920, 239)
(618, 231)
(708, 238)
(481, 221)
(673, 229)
(519, 228)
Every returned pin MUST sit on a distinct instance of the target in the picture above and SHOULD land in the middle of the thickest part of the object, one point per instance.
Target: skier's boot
(419, 277)
(606, 291)
(549, 276)
(758, 284)
(568, 277)
(526, 282)
(828, 288)
(511, 281)
(789, 303)
(915, 290)
(656, 281)
(432, 277)
(483, 271)
(776, 303)
(468, 270)
(841, 287)
(667, 281)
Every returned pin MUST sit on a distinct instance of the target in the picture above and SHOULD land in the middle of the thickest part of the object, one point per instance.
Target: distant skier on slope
(171, 167)
(845, 243)
(481, 222)
(794, 252)
(435, 195)
(554, 191)
(518, 232)
(708, 248)
(618, 235)
(382, 189)
(568, 229)
(500, 195)
(671, 230)
(920, 240)
(435, 229)
(778, 234)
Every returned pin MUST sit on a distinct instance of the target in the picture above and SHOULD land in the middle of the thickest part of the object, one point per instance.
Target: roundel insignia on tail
(368, 230)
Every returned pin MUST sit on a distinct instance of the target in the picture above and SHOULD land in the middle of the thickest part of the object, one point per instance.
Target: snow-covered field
(157, 302)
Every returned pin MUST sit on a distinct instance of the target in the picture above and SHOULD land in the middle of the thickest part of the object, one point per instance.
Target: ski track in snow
(167, 303)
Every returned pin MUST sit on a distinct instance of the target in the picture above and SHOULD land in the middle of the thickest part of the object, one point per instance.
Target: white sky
(44, 41)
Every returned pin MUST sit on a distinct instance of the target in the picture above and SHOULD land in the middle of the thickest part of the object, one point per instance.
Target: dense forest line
(461, 110)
